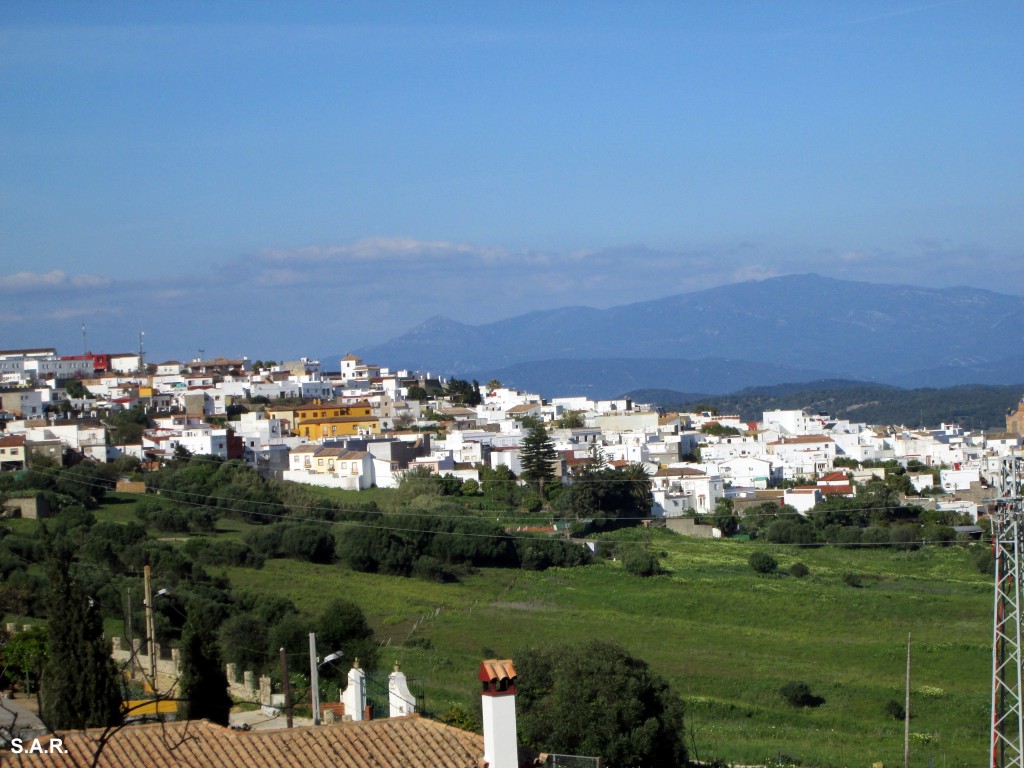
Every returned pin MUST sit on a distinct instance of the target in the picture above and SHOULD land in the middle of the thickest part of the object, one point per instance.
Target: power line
(516, 516)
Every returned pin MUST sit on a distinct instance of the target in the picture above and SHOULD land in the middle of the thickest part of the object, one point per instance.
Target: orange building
(338, 426)
(318, 421)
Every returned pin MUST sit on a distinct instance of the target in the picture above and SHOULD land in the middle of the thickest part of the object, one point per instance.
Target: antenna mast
(1007, 690)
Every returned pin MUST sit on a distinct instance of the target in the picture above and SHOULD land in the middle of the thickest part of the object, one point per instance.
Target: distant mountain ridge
(815, 326)
(610, 377)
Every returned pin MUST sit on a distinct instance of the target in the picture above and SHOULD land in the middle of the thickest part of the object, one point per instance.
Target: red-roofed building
(836, 484)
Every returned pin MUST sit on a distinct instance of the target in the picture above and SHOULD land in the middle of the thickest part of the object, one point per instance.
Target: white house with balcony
(749, 472)
(803, 455)
(676, 489)
(330, 467)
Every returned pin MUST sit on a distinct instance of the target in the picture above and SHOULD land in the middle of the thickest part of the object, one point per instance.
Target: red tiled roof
(492, 670)
(12, 441)
(679, 472)
(833, 477)
(401, 742)
(835, 490)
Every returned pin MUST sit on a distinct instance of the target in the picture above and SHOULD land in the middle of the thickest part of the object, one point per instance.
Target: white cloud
(90, 281)
(753, 272)
(55, 279)
(380, 249)
(30, 280)
(70, 313)
(282, 277)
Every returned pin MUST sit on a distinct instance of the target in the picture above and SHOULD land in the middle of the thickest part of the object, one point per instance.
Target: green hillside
(972, 407)
(726, 638)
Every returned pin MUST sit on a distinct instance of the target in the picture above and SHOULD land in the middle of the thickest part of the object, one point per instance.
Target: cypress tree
(203, 686)
(537, 455)
(81, 687)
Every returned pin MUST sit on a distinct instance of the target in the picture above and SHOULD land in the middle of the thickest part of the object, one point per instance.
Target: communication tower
(1007, 535)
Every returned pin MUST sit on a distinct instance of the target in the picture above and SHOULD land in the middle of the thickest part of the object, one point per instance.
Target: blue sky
(280, 179)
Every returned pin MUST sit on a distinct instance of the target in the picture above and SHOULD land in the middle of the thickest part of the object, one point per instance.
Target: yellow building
(338, 426)
(303, 413)
(317, 421)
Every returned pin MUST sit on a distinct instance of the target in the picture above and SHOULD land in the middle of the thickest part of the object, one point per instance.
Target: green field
(726, 638)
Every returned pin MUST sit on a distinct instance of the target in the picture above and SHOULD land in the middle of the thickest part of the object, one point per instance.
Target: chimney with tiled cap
(501, 750)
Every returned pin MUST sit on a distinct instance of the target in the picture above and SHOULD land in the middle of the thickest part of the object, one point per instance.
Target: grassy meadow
(726, 638)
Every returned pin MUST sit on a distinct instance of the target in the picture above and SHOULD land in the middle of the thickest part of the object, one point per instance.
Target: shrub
(431, 569)
(762, 562)
(798, 694)
(791, 532)
(641, 562)
(848, 536)
(895, 710)
(875, 536)
(935, 533)
(799, 570)
(984, 560)
(314, 543)
(905, 537)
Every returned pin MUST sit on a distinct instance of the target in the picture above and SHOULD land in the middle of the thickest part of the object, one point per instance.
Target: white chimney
(400, 698)
(354, 696)
(501, 749)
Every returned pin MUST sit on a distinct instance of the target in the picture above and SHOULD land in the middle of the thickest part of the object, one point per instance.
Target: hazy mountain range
(799, 328)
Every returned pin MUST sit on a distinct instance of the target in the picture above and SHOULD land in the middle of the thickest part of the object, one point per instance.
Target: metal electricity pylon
(1007, 532)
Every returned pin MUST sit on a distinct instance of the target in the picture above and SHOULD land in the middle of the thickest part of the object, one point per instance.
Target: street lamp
(314, 673)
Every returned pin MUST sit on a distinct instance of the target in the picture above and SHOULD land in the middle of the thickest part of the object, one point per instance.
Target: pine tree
(81, 687)
(537, 455)
(203, 686)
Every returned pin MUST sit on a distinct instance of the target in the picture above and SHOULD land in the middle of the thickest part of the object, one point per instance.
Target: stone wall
(136, 662)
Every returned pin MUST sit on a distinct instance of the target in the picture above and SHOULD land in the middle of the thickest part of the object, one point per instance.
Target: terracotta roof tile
(403, 742)
(492, 670)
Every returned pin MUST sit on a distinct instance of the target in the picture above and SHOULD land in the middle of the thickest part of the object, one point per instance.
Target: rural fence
(573, 761)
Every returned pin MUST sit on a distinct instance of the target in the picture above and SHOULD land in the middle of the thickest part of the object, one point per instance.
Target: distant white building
(677, 489)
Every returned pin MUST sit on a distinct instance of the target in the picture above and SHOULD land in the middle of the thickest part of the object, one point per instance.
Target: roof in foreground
(404, 742)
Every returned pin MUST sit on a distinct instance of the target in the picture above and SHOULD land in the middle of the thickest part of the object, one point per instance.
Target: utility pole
(906, 713)
(314, 677)
(287, 687)
(150, 627)
(131, 638)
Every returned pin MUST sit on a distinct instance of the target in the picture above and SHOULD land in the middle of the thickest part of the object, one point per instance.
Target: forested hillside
(973, 407)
